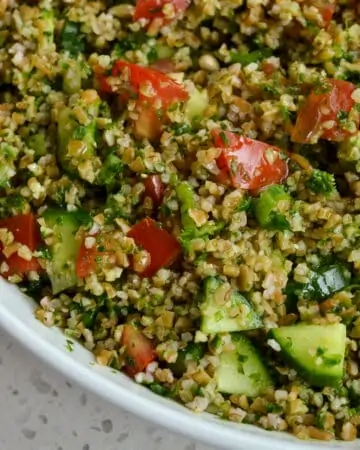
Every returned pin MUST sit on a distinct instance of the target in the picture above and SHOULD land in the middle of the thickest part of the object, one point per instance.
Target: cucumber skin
(315, 379)
(210, 326)
(62, 266)
(258, 381)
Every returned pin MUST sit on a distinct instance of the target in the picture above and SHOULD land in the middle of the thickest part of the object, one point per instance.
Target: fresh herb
(181, 128)
(132, 42)
(152, 55)
(247, 58)
(321, 182)
(351, 75)
(278, 222)
(267, 208)
(342, 116)
(160, 389)
(245, 204)
(205, 232)
(79, 132)
(111, 172)
(69, 345)
(224, 138)
(71, 38)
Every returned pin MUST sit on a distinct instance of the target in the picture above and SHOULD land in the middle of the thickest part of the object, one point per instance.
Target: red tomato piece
(138, 349)
(153, 9)
(154, 92)
(87, 261)
(25, 230)
(161, 245)
(164, 65)
(154, 188)
(324, 108)
(148, 124)
(247, 163)
(327, 12)
(159, 85)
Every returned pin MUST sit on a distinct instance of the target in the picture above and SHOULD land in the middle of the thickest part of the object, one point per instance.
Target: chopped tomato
(327, 12)
(154, 92)
(154, 188)
(163, 248)
(268, 68)
(139, 350)
(164, 65)
(153, 9)
(89, 257)
(321, 114)
(247, 163)
(25, 230)
(158, 85)
(148, 124)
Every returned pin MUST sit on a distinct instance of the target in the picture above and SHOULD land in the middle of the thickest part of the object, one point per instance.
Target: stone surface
(43, 411)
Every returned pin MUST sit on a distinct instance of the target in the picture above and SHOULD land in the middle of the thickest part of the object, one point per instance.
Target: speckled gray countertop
(43, 411)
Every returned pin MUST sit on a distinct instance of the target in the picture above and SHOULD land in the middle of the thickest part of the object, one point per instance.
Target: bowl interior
(16, 316)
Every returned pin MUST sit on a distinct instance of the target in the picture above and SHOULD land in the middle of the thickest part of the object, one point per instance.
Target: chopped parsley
(71, 38)
(321, 182)
(69, 345)
(247, 58)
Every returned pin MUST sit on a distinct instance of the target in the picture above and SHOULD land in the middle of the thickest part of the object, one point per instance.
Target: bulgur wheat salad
(180, 192)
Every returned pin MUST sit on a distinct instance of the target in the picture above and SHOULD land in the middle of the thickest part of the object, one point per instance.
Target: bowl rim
(200, 427)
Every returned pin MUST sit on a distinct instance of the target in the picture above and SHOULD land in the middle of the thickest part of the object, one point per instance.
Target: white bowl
(16, 316)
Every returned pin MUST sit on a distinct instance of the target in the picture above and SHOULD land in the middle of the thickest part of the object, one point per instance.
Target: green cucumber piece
(241, 371)
(71, 133)
(197, 104)
(316, 351)
(323, 283)
(194, 351)
(266, 208)
(61, 267)
(224, 309)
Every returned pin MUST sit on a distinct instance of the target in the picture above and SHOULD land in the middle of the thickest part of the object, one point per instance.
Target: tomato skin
(86, 261)
(322, 107)
(164, 65)
(161, 92)
(152, 9)
(87, 257)
(163, 248)
(138, 348)
(154, 188)
(327, 12)
(245, 162)
(164, 88)
(26, 231)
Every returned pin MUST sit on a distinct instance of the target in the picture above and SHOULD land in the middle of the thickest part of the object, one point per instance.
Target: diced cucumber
(241, 371)
(77, 141)
(197, 104)
(186, 196)
(194, 351)
(72, 78)
(164, 51)
(39, 143)
(61, 268)
(322, 284)
(266, 208)
(315, 351)
(223, 309)
(8, 156)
